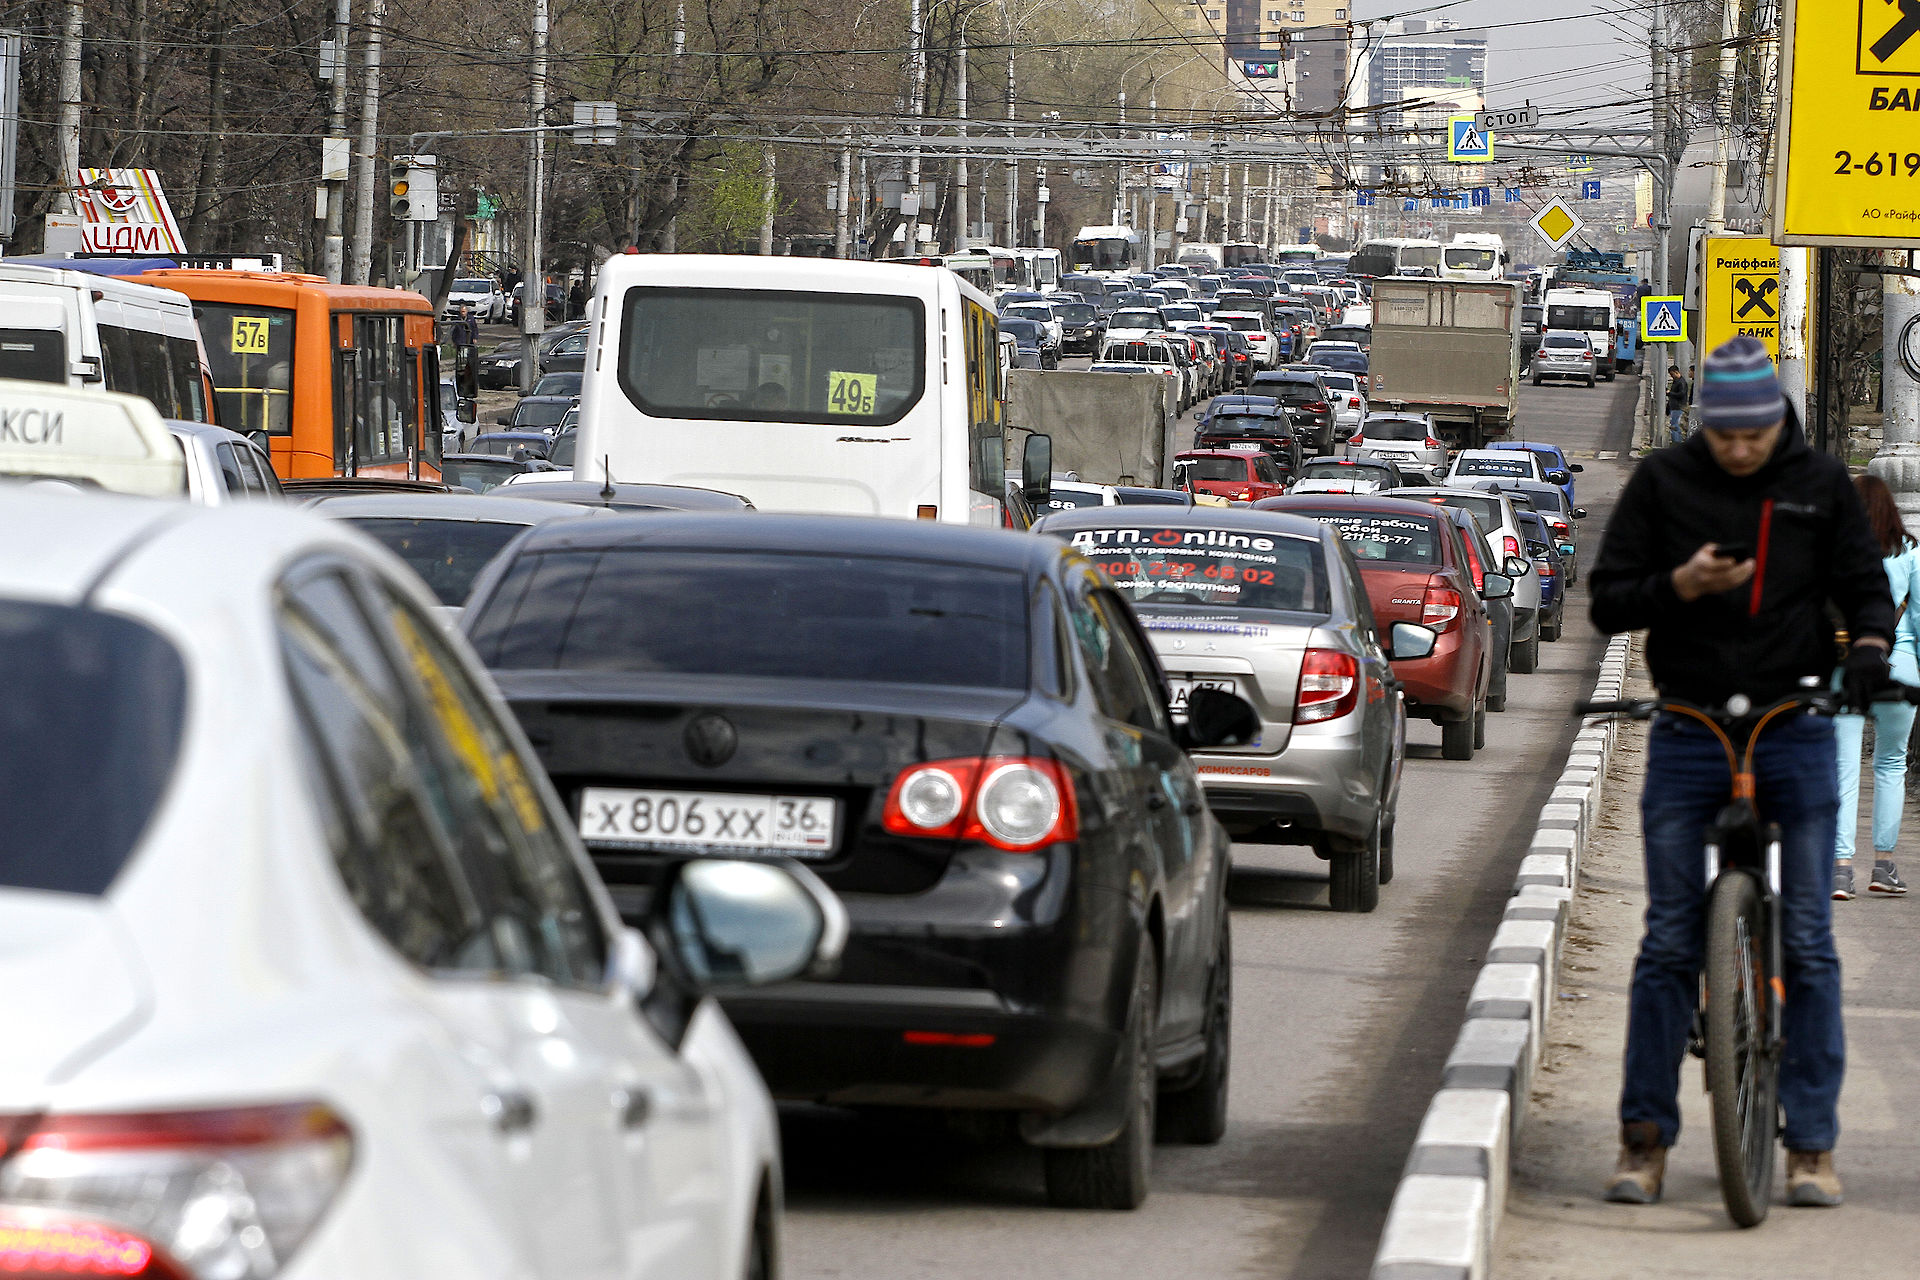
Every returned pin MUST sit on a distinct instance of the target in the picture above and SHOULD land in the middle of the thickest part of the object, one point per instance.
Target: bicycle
(1737, 1028)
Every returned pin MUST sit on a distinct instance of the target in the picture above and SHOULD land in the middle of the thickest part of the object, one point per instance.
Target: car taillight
(1353, 402)
(225, 1194)
(1245, 495)
(1431, 443)
(1439, 607)
(1356, 438)
(1016, 803)
(1512, 544)
(1315, 406)
(1329, 686)
(1558, 526)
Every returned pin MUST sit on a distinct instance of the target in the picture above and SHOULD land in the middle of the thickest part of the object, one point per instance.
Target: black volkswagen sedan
(965, 733)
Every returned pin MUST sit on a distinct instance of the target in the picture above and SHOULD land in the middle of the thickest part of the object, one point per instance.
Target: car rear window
(1068, 499)
(447, 554)
(785, 616)
(1518, 465)
(1376, 538)
(1564, 340)
(1228, 469)
(1209, 567)
(1485, 510)
(1393, 429)
(1134, 320)
(1346, 469)
(477, 474)
(89, 731)
(1250, 424)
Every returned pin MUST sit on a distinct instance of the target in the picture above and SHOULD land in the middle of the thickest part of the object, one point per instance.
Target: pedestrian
(463, 333)
(577, 300)
(1677, 393)
(1892, 721)
(1752, 621)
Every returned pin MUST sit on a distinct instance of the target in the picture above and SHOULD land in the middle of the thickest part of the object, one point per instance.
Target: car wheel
(1114, 1176)
(760, 1246)
(1480, 727)
(1589, 382)
(1456, 739)
(1525, 654)
(1353, 880)
(1386, 854)
(1197, 1115)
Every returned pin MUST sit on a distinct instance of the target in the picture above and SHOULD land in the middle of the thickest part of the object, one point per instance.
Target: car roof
(865, 537)
(1233, 519)
(1214, 453)
(660, 497)
(1369, 503)
(205, 431)
(448, 506)
(1526, 444)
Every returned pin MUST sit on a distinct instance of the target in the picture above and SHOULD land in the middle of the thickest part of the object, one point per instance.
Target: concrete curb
(1447, 1208)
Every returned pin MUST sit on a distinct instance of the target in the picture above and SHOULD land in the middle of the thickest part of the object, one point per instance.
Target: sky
(1586, 54)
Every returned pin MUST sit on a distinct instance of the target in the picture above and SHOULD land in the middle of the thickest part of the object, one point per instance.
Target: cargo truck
(1107, 428)
(1450, 348)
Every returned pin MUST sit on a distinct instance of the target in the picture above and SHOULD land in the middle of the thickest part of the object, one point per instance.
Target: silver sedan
(1563, 354)
(1270, 607)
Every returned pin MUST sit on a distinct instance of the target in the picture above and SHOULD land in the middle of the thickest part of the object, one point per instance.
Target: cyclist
(1727, 549)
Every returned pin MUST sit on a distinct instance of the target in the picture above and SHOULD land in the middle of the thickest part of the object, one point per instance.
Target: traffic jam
(432, 848)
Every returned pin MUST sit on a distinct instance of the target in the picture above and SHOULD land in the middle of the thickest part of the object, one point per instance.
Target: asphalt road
(1342, 1023)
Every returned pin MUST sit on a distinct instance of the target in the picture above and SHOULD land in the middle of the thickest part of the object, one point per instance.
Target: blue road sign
(1590, 189)
(1662, 320)
(1467, 141)
(1513, 195)
(1482, 196)
(1408, 206)
(1363, 198)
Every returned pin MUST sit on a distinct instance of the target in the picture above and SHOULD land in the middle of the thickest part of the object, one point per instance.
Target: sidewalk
(1558, 1228)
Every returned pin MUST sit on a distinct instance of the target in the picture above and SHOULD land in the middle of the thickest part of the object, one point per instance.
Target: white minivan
(83, 329)
(802, 384)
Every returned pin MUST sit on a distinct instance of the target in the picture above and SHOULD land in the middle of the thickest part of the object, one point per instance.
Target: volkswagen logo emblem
(711, 740)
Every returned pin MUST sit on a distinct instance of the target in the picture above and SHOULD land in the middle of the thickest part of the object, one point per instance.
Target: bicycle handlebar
(1824, 702)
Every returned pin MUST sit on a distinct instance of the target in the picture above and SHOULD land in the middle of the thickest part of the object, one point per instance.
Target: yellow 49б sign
(1849, 157)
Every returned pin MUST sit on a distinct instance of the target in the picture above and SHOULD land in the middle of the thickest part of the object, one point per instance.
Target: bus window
(386, 397)
(986, 438)
(250, 351)
(183, 359)
(767, 356)
(137, 362)
(33, 355)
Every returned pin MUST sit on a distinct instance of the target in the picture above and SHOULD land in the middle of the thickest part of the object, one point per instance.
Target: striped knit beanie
(1737, 390)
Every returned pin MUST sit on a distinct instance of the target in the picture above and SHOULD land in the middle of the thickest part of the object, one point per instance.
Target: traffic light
(413, 189)
(400, 188)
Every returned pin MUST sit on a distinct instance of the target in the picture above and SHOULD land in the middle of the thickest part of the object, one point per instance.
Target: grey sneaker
(1886, 878)
(1843, 884)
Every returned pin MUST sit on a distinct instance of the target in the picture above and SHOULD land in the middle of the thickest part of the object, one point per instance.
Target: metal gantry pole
(842, 246)
(917, 106)
(333, 248)
(67, 135)
(960, 174)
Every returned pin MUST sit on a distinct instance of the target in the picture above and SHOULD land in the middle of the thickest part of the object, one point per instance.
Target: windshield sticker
(851, 393)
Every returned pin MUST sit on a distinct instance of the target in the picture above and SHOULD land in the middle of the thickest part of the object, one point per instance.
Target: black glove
(1866, 673)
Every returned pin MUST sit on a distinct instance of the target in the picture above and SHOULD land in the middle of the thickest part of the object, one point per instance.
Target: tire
(1552, 633)
(1589, 384)
(1737, 1044)
(1386, 854)
(1353, 878)
(1456, 739)
(1197, 1114)
(1524, 656)
(1480, 727)
(1115, 1176)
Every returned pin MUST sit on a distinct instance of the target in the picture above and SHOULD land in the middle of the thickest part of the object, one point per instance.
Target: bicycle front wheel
(1742, 1069)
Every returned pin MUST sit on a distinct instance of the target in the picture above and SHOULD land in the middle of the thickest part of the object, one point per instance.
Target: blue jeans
(1677, 426)
(1892, 722)
(1687, 783)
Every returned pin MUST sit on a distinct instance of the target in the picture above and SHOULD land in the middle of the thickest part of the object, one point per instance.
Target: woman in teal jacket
(1892, 721)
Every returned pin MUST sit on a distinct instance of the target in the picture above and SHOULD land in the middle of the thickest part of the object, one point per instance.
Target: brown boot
(1811, 1181)
(1643, 1163)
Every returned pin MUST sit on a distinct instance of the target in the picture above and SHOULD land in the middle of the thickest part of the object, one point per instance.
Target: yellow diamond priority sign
(1557, 224)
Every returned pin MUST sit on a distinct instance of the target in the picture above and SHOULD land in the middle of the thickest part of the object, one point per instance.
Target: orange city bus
(343, 379)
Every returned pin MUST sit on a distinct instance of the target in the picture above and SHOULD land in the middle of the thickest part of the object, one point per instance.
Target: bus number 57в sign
(1850, 93)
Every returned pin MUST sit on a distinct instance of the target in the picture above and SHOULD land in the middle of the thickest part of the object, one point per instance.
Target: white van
(81, 329)
(1588, 311)
(803, 384)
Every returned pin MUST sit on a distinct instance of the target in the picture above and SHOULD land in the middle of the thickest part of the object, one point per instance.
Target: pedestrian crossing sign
(1467, 142)
(1663, 320)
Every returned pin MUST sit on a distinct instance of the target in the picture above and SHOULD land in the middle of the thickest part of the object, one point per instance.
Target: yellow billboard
(1739, 291)
(1848, 165)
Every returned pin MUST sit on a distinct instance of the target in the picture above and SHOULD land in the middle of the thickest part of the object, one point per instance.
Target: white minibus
(1588, 311)
(803, 384)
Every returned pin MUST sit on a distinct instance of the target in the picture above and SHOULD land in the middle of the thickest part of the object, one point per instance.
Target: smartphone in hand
(1735, 551)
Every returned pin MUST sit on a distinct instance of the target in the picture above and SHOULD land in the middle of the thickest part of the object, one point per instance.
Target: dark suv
(1308, 401)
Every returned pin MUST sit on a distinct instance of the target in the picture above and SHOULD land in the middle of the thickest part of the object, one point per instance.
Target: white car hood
(73, 988)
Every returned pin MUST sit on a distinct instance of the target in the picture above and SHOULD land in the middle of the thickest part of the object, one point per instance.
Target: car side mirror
(1515, 567)
(1574, 466)
(1566, 548)
(729, 923)
(1558, 476)
(464, 410)
(1499, 586)
(262, 439)
(1216, 718)
(1407, 640)
(1579, 513)
(1036, 470)
(503, 419)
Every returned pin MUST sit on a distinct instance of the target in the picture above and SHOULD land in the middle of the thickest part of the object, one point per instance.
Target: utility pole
(1013, 165)
(772, 192)
(917, 106)
(1654, 366)
(960, 174)
(69, 131)
(369, 144)
(533, 288)
(334, 245)
(1898, 461)
(1153, 178)
(1722, 121)
(669, 239)
(842, 246)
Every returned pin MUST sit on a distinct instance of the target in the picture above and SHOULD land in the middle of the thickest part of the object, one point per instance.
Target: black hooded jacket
(1811, 545)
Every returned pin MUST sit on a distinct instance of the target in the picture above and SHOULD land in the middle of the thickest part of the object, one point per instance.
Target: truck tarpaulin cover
(1105, 426)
